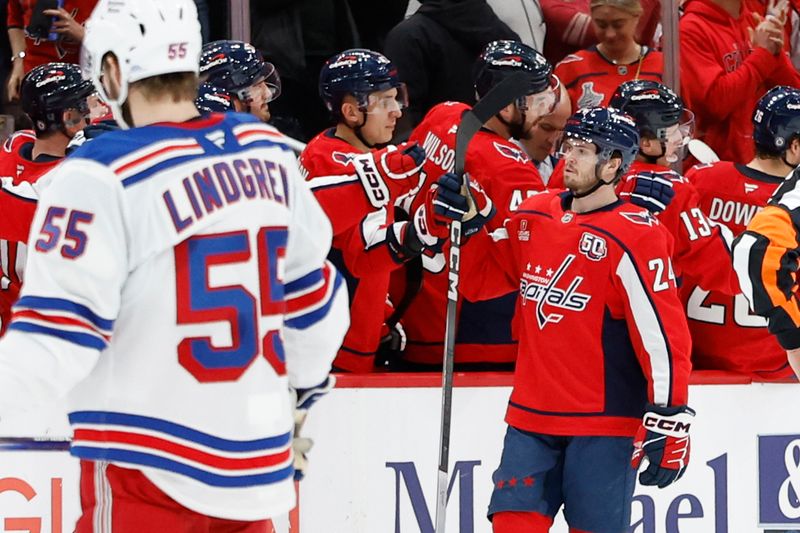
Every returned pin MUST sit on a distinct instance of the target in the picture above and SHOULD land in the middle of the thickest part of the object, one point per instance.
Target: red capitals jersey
(591, 79)
(702, 253)
(725, 335)
(359, 247)
(602, 329)
(41, 51)
(702, 248)
(508, 177)
(18, 205)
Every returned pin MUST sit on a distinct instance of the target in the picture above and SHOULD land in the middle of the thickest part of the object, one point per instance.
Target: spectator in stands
(542, 140)
(592, 75)
(724, 71)
(434, 50)
(298, 37)
(41, 35)
(570, 29)
(524, 17)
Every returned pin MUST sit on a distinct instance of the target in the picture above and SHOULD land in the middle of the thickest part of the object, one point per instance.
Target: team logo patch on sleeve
(644, 217)
(510, 153)
(593, 246)
(343, 158)
(523, 234)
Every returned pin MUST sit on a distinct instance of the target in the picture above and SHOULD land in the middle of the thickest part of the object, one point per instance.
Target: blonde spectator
(591, 75)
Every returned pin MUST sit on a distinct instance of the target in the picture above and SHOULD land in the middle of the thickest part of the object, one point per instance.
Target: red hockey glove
(304, 399)
(389, 173)
(664, 440)
(443, 203)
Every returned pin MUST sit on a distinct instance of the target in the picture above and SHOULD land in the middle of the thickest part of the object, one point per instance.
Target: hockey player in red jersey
(725, 334)
(702, 248)
(507, 175)
(358, 180)
(240, 69)
(54, 96)
(604, 346)
(592, 75)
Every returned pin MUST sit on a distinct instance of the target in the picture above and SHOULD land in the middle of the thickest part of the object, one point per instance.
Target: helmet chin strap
(653, 159)
(515, 129)
(599, 183)
(360, 135)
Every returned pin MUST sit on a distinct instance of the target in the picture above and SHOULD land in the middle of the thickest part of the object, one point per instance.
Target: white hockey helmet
(148, 37)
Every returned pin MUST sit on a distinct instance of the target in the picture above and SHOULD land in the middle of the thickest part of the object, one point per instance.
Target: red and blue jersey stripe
(64, 319)
(157, 443)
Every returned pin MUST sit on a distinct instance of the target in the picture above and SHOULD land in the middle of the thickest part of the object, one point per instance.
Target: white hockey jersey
(176, 281)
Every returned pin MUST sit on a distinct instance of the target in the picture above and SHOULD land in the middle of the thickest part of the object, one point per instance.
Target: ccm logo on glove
(651, 422)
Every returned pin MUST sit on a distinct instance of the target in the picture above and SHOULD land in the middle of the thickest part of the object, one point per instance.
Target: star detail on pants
(512, 482)
(501, 484)
(528, 481)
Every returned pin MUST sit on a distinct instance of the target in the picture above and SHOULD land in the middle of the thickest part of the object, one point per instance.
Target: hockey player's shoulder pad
(542, 201)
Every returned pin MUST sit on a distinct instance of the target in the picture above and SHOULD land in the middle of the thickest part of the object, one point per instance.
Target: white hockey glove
(304, 399)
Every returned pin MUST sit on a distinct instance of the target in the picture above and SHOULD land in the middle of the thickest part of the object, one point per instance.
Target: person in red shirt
(725, 70)
(725, 334)
(570, 28)
(702, 249)
(604, 346)
(358, 180)
(507, 176)
(55, 98)
(43, 36)
(591, 75)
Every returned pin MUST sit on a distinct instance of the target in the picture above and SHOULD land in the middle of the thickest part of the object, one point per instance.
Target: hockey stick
(502, 94)
(34, 444)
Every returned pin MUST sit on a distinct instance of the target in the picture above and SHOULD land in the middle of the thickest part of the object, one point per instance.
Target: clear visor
(391, 100)
(576, 150)
(542, 103)
(272, 80)
(98, 109)
(677, 137)
(265, 89)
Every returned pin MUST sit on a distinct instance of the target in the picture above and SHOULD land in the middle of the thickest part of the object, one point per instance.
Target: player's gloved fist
(663, 439)
(481, 210)
(389, 173)
(651, 191)
(443, 204)
(304, 399)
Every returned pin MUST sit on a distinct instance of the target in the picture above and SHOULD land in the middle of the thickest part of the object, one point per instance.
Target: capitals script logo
(510, 153)
(343, 158)
(544, 291)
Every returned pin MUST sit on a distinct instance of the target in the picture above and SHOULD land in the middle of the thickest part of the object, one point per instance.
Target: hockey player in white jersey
(176, 287)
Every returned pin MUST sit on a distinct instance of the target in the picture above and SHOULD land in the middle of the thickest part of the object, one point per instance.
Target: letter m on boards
(406, 478)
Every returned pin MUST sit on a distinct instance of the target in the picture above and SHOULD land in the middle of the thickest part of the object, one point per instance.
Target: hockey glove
(304, 399)
(389, 173)
(651, 191)
(481, 210)
(663, 439)
(443, 203)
